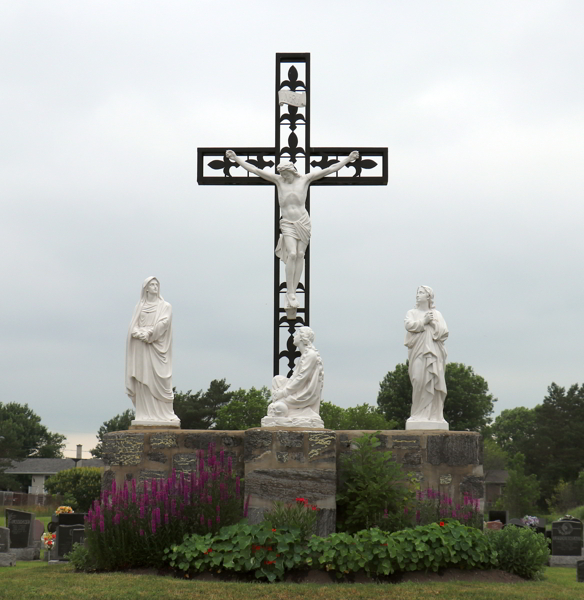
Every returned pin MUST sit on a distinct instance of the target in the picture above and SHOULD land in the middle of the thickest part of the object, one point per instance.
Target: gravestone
(4, 539)
(38, 529)
(517, 522)
(567, 537)
(78, 536)
(66, 524)
(7, 558)
(20, 524)
(499, 515)
(580, 571)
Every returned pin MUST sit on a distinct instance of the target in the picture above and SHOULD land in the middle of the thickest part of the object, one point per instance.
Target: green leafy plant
(521, 551)
(372, 491)
(132, 525)
(260, 550)
(298, 515)
(433, 506)
(429, 547)
(81, 558)
(79, 487)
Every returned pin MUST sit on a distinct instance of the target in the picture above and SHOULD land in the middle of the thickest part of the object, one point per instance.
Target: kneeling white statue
(425, 337)
(296, 401)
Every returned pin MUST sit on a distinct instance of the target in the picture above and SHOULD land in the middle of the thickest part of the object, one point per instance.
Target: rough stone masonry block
(160, 441)
(185, 462)
(123, 448)
(256, 444)
(322, 446)
(286, 485)
(291, 439)
(453, 450)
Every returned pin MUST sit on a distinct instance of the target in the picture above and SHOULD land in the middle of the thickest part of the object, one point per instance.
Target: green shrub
(299, 515)
(261, 550)
(372, 490)
(81, 558)
(268, 553)
(79, 486)
(429, 547)
(520, 550)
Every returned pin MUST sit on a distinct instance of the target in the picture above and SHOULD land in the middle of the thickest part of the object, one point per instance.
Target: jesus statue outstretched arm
(333, 168)
(271, 177)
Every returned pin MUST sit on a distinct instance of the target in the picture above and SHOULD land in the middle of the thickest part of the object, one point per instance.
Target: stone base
(7, 559)
(426, 425)
(299, 422)
(285, 464)
(153, 453)
(156, 424)
(26, 553)
(565, 561)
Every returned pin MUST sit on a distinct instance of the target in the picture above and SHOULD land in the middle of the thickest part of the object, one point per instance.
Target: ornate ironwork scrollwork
(293, 149)
(224, 164)
(293, 82)
(292, 116)
(360, 164)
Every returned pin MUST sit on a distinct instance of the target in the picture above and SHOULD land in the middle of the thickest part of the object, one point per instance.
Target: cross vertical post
(292, 143)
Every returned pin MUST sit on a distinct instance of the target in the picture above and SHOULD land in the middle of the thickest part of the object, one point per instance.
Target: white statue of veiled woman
(296, 401)
(425, 337)
(149, 359)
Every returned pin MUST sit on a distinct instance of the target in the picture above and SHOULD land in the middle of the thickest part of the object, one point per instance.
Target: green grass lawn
(39, 581)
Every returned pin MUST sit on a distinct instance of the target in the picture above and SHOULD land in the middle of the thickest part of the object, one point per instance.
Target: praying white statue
(425, 337)
(149, 359)
(296, 401)
(295, 223)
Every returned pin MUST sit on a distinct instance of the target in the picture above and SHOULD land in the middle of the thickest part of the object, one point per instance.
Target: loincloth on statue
(299, 230)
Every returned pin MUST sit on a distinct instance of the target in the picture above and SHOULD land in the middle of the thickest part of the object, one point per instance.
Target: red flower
(209, 551)
(300, 500)
(273, 530)
(314, 508)
(269, 562)
(441, 523)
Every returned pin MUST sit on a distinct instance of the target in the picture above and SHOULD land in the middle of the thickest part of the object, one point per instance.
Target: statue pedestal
(285, 463)
(288, 463)
(426, 425)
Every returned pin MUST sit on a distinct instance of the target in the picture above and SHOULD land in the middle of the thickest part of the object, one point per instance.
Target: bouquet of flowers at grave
(48, 540)
(63, 510)
(530, 521)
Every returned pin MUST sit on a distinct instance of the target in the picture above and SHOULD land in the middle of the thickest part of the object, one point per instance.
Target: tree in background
(362, 416)
(556, 450)
(199, 411)
(245, 409)
(468, 405)
(494, 457)
(25, 436)
(513, 429)
(120, 422)
(521, 492)
(79, 486)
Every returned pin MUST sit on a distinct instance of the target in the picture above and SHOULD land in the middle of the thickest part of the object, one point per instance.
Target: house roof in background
(49, 466)
(497, 476)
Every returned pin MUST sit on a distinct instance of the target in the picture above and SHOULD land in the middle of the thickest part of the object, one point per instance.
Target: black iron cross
(292, 100)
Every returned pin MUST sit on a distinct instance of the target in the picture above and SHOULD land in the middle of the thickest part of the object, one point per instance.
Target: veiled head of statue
(152, 285)
(425, 292)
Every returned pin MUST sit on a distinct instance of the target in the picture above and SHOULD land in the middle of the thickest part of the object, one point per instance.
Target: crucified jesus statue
(295, 226)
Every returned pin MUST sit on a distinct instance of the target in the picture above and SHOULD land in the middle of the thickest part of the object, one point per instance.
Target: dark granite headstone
(517, 522)
(20, 525)
(78, 536)
(4, 539)
(580, 570)
(38, 530)
(499, 515)
(67, 523)
(567, 537)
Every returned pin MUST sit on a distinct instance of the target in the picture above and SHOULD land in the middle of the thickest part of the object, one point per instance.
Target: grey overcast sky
(103, 105)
